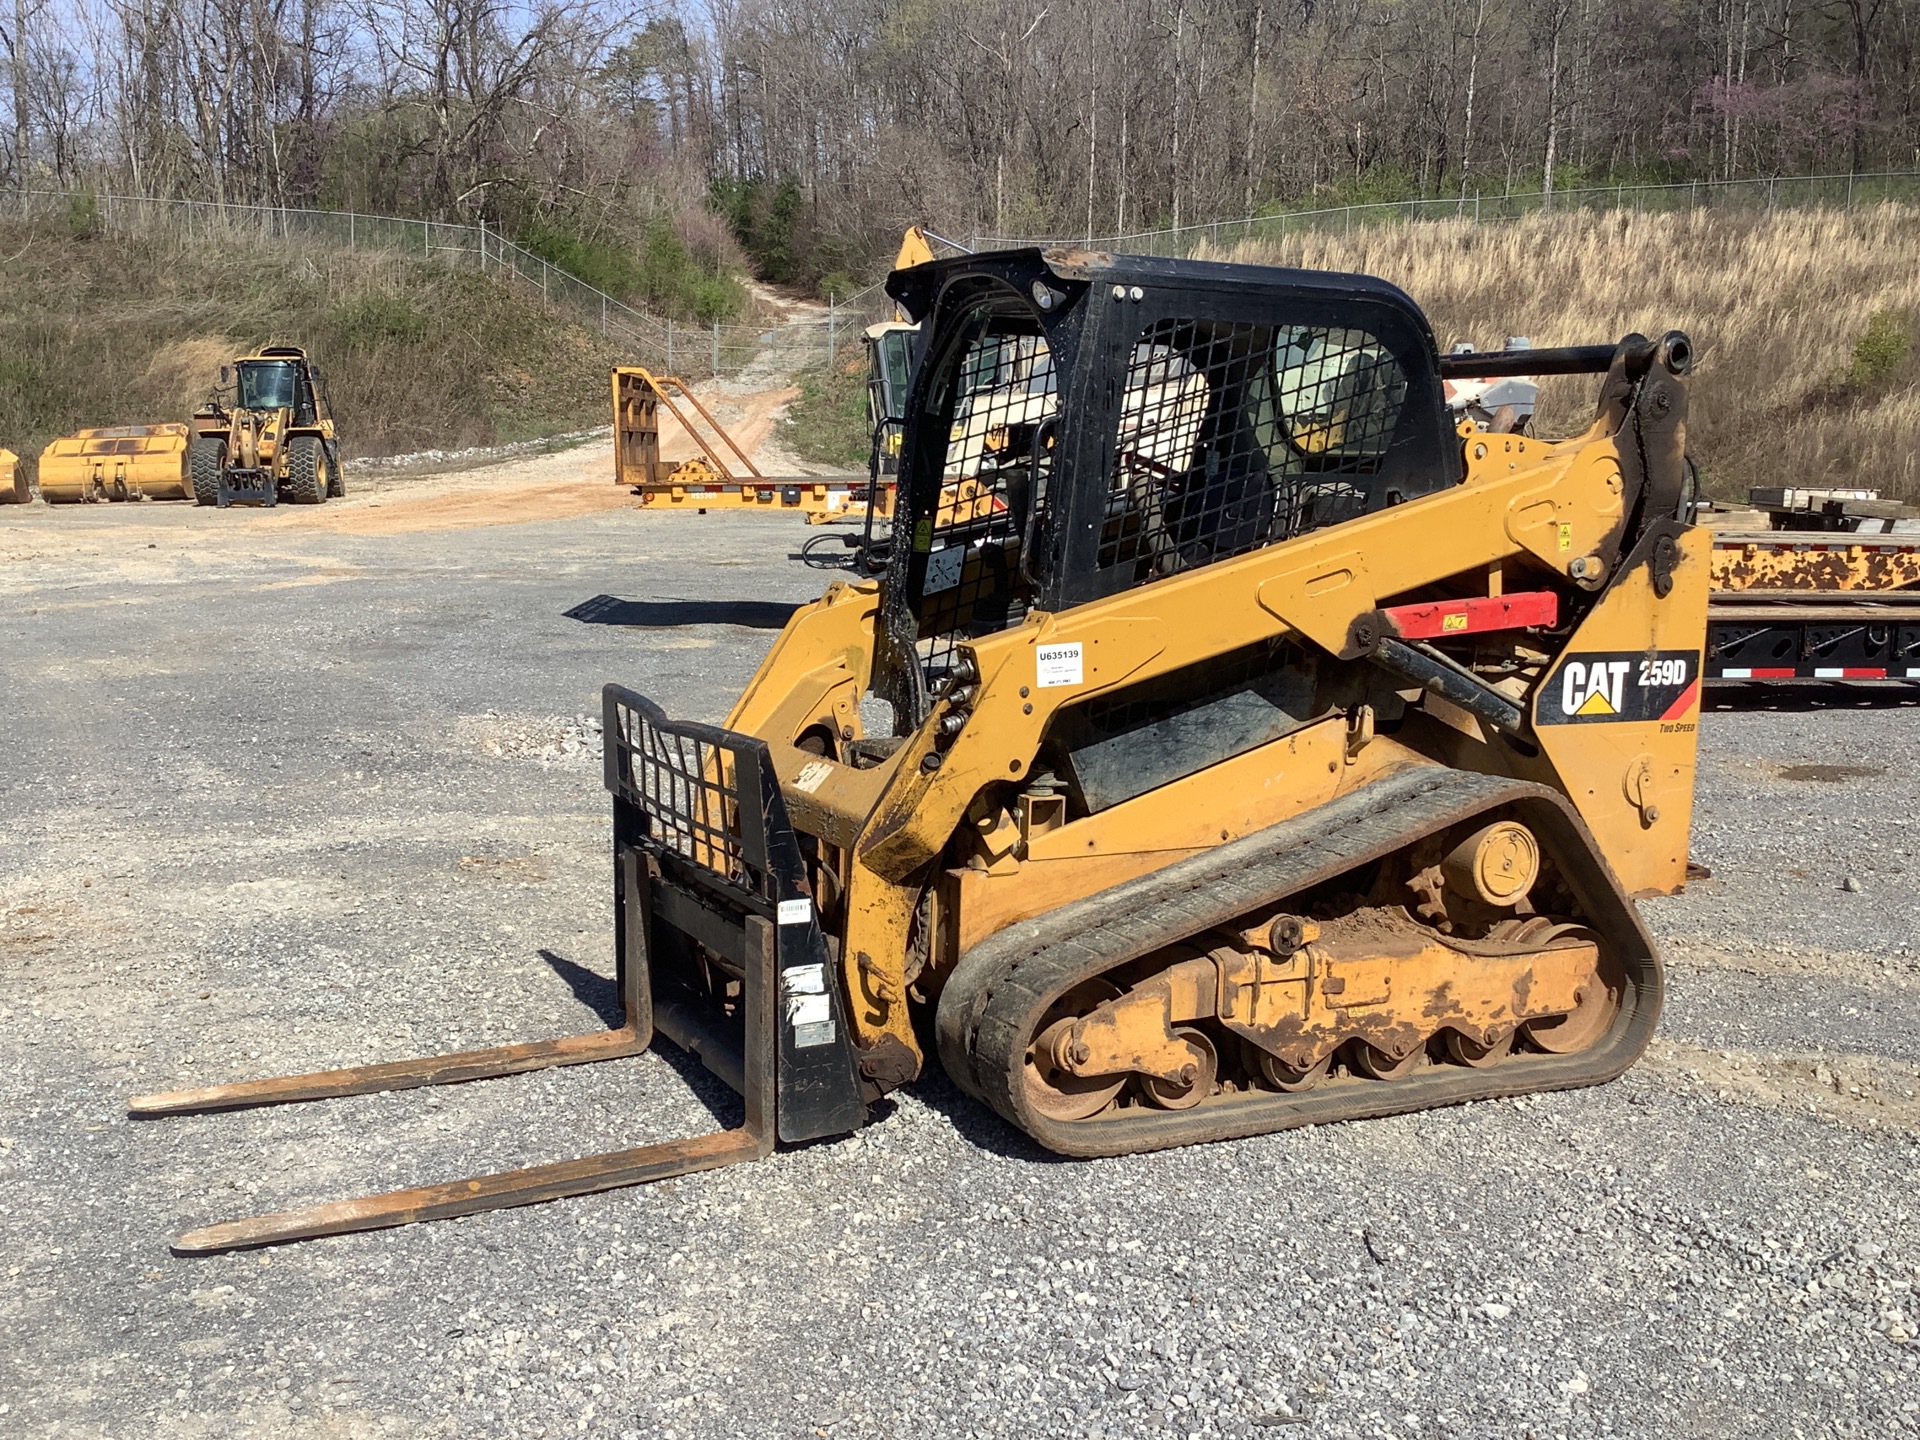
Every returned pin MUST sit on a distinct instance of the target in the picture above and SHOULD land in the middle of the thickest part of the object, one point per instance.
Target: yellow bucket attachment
(13, 480)
(121, 462)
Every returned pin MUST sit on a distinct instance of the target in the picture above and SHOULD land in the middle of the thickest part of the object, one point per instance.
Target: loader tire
(306, 471)
(336, 477)
(206, 458)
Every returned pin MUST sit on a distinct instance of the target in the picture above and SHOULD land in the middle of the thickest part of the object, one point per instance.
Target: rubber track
(991, 1007)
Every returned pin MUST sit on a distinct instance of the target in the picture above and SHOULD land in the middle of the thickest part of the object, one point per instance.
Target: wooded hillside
(818, 128)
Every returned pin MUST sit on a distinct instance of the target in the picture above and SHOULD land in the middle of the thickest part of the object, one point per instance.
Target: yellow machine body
(120, 462)
(1631, 782)
(1827, 594)
(1785, 560)
(1229, 743)
(270, 437)
(720, 475)
(13, 479)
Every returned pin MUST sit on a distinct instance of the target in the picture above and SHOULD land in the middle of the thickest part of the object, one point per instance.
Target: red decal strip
(1689, 697)
(1438, 619)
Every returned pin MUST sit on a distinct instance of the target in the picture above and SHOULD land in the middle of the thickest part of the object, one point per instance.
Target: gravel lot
(278, 797)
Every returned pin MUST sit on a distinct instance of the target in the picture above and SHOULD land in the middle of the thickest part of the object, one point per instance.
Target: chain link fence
(1779, 192)
(658, 342)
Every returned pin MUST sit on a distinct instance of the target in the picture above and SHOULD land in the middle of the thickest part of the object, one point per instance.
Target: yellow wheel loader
(1271, 752)
(275, 441)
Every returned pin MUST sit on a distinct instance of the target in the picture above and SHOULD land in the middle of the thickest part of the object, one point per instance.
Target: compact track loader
(274, 442)
(1271, 752)
(13, 479)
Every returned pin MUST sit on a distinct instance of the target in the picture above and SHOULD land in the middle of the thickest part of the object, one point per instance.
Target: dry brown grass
(1774, 303)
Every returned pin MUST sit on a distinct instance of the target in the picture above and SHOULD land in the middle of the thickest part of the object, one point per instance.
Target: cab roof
(918, 287)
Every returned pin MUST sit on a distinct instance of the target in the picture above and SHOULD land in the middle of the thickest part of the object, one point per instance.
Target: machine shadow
(595, 991)
(668, 614)
(975, 1121)
(1779, 695)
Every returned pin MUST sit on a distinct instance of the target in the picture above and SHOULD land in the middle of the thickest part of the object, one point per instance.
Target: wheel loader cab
(275, 385)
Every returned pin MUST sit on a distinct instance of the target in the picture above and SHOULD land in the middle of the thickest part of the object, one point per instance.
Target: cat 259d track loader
(1269, 752)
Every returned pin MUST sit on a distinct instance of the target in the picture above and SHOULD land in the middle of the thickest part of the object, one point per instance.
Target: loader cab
(890, 347)
(1081, 424)
(276, 379)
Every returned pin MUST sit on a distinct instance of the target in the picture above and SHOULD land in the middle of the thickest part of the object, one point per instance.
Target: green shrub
(770, 222)
(660, 273)
(1881, 350)
(369, 319)
(605, 265)
(827, 425)
(83, 217)
(717, 298)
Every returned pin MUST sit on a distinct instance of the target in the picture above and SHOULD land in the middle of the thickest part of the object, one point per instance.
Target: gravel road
(277, 798)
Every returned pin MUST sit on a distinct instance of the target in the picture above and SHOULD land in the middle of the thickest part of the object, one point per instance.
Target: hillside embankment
(107, 329)
(1803, 321)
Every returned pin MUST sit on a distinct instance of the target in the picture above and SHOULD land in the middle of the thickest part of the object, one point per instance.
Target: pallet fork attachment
(682, 793)
(638, 395)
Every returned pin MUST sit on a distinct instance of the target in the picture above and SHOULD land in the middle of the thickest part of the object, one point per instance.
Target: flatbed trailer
(721, 476)
(1819, 600)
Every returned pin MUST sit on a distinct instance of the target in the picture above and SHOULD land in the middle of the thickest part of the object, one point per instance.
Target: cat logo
(1596, 689)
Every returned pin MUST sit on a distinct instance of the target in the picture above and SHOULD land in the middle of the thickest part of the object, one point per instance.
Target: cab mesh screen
(1233, 435)
(999, 457)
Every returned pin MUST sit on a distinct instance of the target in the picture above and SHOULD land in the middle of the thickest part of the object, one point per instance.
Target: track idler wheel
(1463, 1050)
(1378, 1064)
(1582, 1028)
(1055, 1092)
(1282, 1076)
(1599, 1001)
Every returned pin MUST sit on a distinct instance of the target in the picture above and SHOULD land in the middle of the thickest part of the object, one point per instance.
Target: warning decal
(1632, 685)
